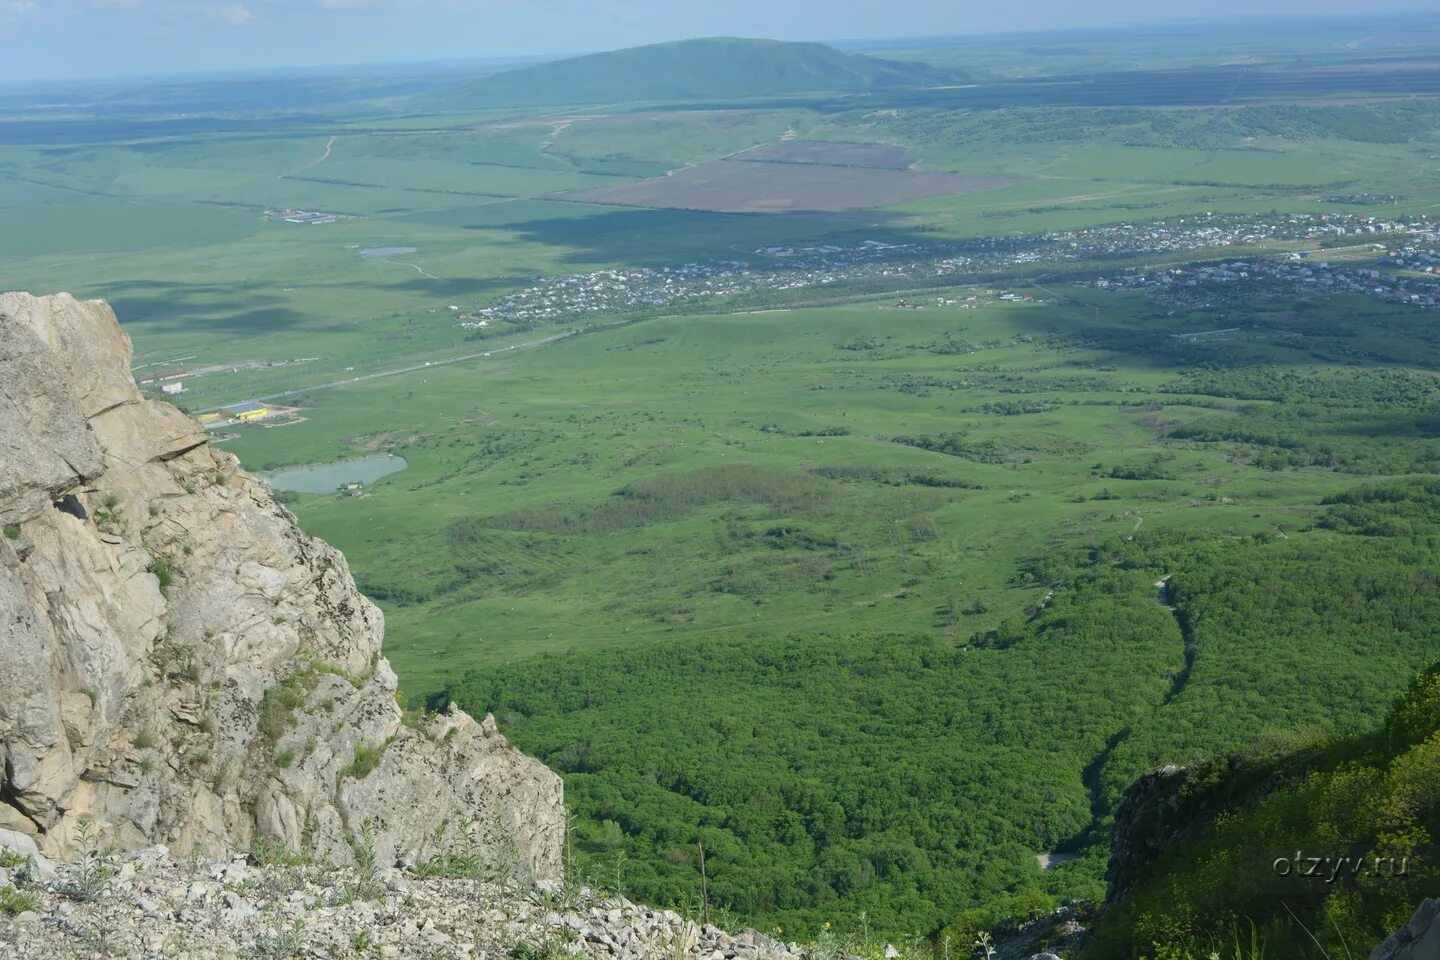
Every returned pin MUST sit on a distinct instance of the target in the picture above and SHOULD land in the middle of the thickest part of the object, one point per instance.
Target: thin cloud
(235, 14)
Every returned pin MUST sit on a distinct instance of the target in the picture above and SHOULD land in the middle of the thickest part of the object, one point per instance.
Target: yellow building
(248, 411)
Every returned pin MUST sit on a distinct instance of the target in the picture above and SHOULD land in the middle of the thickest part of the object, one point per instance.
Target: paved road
(399, 370)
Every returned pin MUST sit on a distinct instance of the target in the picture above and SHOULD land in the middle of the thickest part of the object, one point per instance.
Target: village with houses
(1391, 244)
(1292, 276)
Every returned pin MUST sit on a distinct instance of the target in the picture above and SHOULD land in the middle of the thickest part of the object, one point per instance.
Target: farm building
(248, 411)
(172, 388)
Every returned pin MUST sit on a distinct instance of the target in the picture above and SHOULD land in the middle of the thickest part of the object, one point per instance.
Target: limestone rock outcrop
(1417, 940)
(181, 664)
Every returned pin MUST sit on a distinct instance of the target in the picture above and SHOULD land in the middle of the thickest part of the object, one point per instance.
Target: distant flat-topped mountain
(708, 69)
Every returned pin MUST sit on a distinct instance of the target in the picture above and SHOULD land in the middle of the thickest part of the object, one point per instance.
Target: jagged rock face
(1152, 814)
(184, 665)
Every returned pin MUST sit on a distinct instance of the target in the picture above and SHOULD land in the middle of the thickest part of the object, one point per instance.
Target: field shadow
(1135, 330)
(458, 286)
(644, 237)
(1377, 425)
(170, 307)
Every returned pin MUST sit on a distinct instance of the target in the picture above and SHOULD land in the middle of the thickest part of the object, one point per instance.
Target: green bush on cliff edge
(1320, 852)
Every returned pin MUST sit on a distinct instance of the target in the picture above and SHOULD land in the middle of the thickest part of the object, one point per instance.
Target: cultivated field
(751, 186)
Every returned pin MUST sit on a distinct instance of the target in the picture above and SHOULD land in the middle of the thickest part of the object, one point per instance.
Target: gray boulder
(1417, 940)
(25, 846)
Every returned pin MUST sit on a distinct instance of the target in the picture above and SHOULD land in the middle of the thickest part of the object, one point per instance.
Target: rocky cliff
(182, 665)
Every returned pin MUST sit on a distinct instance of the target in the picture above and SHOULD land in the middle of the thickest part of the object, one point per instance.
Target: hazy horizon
(59, 40)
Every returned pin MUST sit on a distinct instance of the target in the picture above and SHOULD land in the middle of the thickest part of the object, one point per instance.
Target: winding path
(419, 269)
(326, 156)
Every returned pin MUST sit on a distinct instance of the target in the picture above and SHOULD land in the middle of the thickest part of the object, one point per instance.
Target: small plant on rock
(102, 936)
(280, 942)
(93, 871)
(366, 760)
(683, 942)
(554, 944)
(367, 864)
(268, 852)
(13, 902)
(161, 568)
(461, 857)
(827, 946)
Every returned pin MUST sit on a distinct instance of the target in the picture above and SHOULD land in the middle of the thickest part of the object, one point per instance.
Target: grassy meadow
(528, 507)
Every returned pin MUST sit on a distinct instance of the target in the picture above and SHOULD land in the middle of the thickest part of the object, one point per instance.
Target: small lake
(328, 477)
(387, 251)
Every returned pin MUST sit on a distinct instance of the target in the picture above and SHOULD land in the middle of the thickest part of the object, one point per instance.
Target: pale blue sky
(44, 39)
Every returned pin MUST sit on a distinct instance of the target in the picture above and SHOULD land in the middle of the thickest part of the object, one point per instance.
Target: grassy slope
(1160, 46)
(562, 428)
(780, 753)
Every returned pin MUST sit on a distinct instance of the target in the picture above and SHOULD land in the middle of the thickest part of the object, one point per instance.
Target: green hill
(713, 68)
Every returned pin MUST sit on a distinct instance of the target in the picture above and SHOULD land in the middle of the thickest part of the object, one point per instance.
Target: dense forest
(781, 758)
